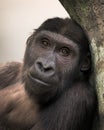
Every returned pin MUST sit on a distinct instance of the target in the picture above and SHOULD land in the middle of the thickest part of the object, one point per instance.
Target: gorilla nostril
(40, 66)
(48, 69)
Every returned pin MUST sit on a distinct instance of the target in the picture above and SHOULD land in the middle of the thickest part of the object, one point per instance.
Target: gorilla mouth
(37, 80)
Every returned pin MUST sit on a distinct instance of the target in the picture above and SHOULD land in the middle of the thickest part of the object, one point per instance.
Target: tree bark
(90, 14)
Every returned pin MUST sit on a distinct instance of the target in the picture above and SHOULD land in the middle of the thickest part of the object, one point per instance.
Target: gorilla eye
(45, 42)
(65, 51)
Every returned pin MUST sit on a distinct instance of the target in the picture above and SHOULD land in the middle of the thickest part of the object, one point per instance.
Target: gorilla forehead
(56, 37)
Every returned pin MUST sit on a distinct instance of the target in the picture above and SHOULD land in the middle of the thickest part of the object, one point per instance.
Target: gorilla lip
(37, 80)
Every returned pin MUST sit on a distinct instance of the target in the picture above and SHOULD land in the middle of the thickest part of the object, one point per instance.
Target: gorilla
(53, 88)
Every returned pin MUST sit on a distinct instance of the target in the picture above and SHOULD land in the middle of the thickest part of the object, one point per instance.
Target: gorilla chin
(39, 87)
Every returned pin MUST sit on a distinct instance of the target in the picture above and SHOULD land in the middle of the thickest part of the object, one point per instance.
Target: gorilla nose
(46, 68)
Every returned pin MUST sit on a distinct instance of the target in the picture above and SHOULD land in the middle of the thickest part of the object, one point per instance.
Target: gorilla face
(49, 63)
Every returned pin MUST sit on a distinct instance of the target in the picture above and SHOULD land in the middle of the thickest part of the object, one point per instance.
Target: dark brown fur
(10, 73)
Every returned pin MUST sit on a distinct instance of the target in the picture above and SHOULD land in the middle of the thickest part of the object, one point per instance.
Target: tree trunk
(90, 14)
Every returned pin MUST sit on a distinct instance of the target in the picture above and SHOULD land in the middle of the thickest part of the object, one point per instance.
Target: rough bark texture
(90, 14)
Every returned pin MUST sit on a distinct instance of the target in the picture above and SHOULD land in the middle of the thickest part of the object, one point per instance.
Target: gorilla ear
(85, 63)
(29, 40)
